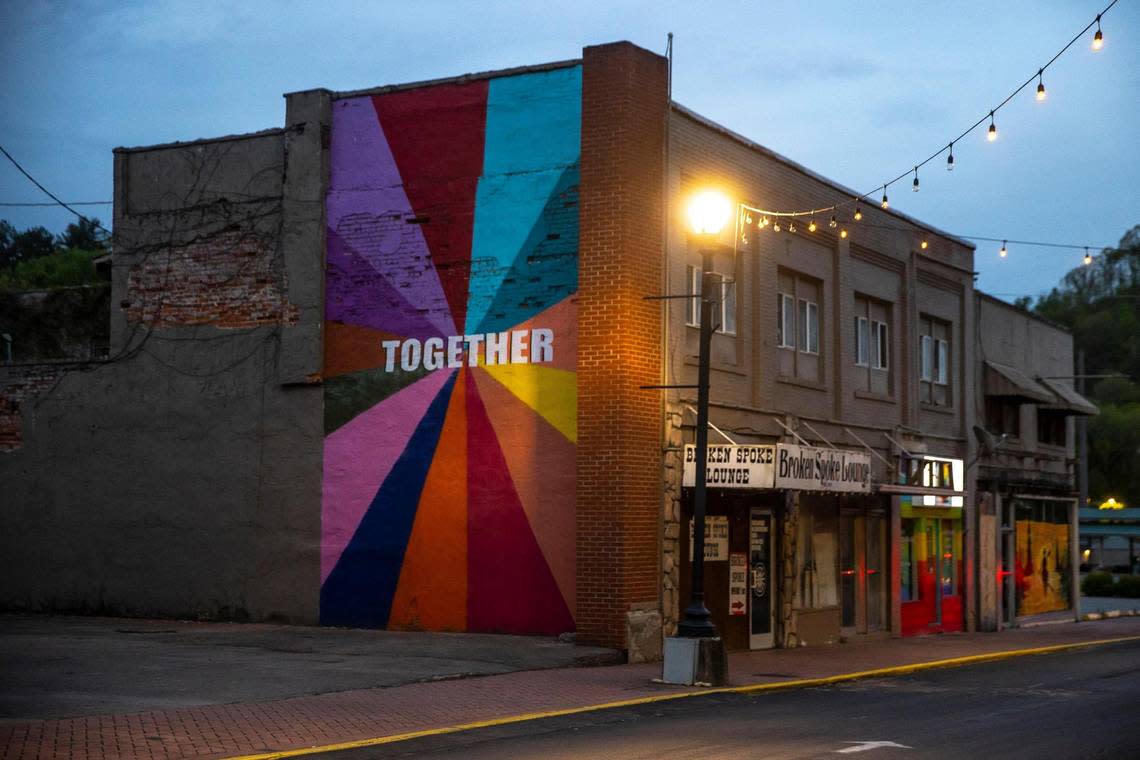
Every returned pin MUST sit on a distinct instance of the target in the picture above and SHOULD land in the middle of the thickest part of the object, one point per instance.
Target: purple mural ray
(358, 295)
(369, 210)
(358, 457)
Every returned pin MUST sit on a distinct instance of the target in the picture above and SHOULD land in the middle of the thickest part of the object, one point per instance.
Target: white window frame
(727, 309)
(942, 362)
(880, 341)
(926, 358)
(862, 342)
(785, 327)
(693, 304)
(808, 314)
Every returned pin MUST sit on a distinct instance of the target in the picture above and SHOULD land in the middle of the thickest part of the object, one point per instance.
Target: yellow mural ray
(553, 393)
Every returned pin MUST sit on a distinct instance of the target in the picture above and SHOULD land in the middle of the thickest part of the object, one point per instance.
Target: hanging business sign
(808, 468)
(738, 583)
(732, 466)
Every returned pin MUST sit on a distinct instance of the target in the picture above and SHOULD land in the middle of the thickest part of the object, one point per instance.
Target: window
(808, 324)
(1003, 416)
(872, 349)
(1051, 427)
(786, 320)
(862, 342)
(817, 571)
(798, 315)
(725, 322)
(879, 345)
(934, 370)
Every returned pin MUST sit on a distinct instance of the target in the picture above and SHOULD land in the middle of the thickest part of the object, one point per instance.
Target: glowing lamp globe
(709, 211)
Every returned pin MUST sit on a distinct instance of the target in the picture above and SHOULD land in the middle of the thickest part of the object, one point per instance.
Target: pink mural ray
(370, 210)
(358, 457)
(541, 463)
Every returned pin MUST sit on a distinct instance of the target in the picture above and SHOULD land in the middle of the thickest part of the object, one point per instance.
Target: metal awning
(1004, 381)
(1068, 399)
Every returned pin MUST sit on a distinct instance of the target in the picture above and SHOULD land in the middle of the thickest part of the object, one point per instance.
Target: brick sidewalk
(353, 715)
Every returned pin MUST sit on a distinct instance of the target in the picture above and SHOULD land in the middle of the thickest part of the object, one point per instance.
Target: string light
(885, 203)
(915, 183)
(924, 245)
(858, 214)
(811, 225)
(1003, 252)
(833, 223)
(791, 226)
(1040, 84)
(991, 135)
(1098, 38)
(950, 158)
(1088, 257)
(776, 226)
(843, 234)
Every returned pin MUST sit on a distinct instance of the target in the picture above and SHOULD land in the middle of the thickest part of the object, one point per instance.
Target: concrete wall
(181, 477)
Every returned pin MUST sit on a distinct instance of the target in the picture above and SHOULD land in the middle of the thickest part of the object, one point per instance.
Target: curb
(1107, 614)
(802, 683)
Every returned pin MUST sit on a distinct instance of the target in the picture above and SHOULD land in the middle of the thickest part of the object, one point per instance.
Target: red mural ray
(351, 348)
(510, 586)
(436, 135)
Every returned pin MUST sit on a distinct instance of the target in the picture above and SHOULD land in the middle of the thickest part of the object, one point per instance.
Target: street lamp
(709, 211)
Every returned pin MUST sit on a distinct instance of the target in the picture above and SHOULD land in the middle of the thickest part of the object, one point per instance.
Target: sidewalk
(251, 727)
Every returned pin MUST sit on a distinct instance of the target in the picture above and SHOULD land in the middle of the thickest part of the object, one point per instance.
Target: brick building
(386, 366)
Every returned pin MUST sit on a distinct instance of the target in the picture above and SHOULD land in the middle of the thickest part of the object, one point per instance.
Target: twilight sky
(858, 92)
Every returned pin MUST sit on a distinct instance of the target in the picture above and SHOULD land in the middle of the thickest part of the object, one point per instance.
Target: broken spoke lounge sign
(733, 466)
(813, 469)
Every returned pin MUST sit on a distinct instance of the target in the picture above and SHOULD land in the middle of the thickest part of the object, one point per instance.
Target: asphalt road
(1077, 704)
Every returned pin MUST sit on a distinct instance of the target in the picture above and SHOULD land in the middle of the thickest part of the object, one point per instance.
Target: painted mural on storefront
(1042, 575)
(450, 334)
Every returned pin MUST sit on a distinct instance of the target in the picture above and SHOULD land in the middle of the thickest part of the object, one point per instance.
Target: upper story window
(1051, 428)
(1003, 416)
(872, 345)
(725, 320)
(934, 361)
(798, 321)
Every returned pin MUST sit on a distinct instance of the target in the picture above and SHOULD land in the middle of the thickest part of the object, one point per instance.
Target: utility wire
(49, 193)
(69, 203)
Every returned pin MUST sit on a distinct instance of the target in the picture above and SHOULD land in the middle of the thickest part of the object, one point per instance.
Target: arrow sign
(864, 746)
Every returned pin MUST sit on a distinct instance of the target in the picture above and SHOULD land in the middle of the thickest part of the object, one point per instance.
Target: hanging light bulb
(924, 245)
(858, 213)
(748, 218)
(915, 183)
(1040, 84)
(843, 233)
(833, 223)
(991, 135)
(1003, 252)
(1088, 257)
(792, 226)
(1098, 38)
(811, 225)
(764, 222)
(885, 203)
(950, 159)
(776, 226)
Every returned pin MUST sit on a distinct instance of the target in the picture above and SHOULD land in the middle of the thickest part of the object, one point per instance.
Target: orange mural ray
(562, 318)
(541, 462)
(432, 591)
(351, 348)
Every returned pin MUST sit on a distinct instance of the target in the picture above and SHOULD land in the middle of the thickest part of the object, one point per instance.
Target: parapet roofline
(200, 141)
(461, 79)
(1022, 312)
(768, 152)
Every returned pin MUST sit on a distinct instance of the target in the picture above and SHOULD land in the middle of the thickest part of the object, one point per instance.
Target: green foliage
(1128, 586)
(1100, 304)
(57, 270)
(84, 234)
(32, 243)
(1097, 584)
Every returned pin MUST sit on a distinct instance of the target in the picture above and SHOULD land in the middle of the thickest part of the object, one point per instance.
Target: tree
(1100, 305)
(31, 244)
(84, 235)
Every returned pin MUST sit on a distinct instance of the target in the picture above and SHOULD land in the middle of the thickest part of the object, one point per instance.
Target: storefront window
(949, 559)
(818, 539)
(1043, 574)
(908, 591)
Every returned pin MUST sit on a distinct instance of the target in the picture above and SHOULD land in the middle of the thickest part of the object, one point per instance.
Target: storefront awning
(1004, 381)
(1068, 399)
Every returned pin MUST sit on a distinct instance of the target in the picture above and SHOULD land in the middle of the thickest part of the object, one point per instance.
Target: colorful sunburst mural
(450, 334)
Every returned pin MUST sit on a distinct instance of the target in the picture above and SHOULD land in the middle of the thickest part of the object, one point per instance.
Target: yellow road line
(747, 689)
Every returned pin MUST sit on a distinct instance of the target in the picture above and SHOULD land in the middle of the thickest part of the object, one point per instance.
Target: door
(760, 580)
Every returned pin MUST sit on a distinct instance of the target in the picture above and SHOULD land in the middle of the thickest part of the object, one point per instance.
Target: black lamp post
(708, 214)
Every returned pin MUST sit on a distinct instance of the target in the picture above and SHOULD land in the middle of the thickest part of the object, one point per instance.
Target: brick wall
(19, 386)
(624, 101)
(232, 279)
